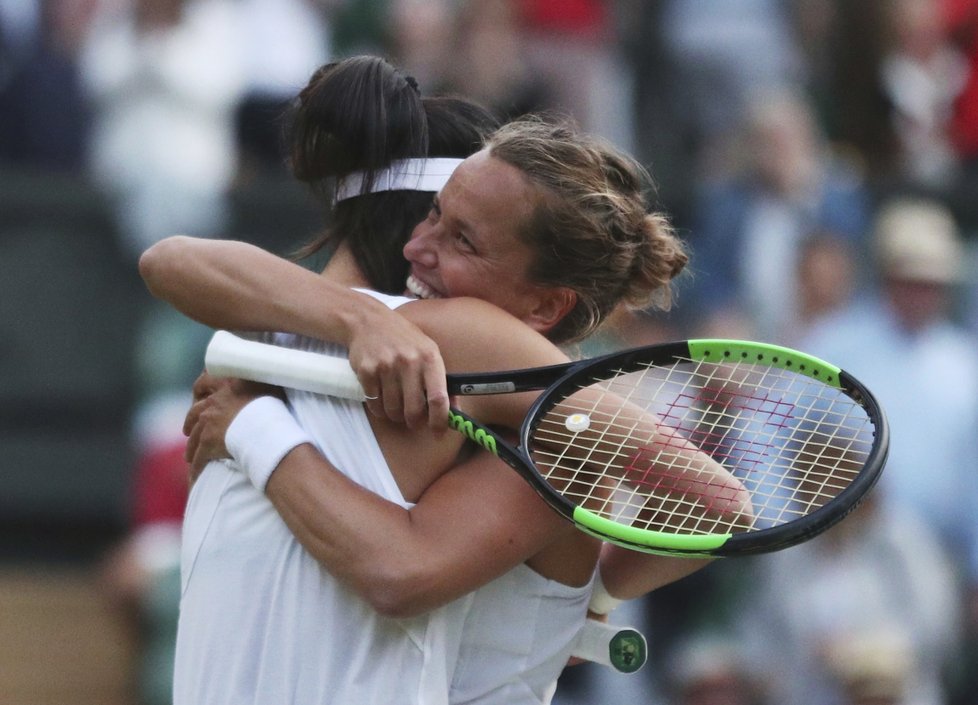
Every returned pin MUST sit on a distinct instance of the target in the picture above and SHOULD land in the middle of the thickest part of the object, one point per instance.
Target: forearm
(362, 539)
(237, 286)
(629, 574)
(474, 524)
(470, 525)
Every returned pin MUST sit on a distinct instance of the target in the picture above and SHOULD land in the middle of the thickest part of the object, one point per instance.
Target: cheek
(461, 279)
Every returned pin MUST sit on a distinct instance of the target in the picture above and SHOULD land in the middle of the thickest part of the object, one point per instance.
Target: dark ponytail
(359, 115)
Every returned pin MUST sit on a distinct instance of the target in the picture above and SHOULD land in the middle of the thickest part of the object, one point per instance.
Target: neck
(343, 269)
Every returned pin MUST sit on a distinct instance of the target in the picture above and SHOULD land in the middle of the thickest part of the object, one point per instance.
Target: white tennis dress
(262, 622)
(516, 639)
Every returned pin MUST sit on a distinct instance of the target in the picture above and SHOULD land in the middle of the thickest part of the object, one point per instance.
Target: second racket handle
(230, 356)
(621, 648)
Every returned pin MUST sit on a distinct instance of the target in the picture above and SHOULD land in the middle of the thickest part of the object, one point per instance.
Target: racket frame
(570, 377)
(556, 382)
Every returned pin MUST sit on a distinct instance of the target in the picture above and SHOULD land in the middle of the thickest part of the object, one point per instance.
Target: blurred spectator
(43, 111)
(164, 77)
(420, 35)
(748, 228)
(902, 343)
(963, 29)
(922, 72)
(721, 54)
(573, 47)
(142, 572)
(873, 667)
(283, 42)
(360, 27)
(881, 571)
(827, 278)
(490, 62)
(923, 367)
(709, 669)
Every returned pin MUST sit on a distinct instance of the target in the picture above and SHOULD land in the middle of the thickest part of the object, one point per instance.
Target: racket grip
(230, 356)
(621, 648)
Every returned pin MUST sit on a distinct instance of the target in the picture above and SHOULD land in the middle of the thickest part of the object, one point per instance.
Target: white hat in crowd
(918, 240)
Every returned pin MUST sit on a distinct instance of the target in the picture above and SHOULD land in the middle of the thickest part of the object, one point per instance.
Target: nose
(421, 248)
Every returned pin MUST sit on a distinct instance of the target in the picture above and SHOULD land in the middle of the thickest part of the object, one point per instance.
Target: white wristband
(261, 435)
(602, 602)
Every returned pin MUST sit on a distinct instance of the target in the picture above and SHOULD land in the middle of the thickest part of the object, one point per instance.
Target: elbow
(401, 594)
(158, 260)
(393, 604)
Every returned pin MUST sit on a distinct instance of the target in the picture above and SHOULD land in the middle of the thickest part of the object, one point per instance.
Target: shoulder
(459, 310)
(475, 335)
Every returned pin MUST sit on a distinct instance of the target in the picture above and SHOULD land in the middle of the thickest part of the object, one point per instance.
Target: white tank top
(262, 622)
(516, 639)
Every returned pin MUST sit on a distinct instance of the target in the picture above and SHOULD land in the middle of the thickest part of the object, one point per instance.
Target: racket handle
(621, 648)
(230, 356)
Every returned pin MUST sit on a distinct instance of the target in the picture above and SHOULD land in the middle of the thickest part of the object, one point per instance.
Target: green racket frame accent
(632, 537)
(558, 379)
(719, 350)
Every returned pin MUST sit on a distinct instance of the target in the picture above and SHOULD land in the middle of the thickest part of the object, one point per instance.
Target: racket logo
(469, 430)
(628, 651)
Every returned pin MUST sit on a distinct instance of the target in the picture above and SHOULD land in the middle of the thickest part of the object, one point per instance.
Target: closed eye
(463, 242)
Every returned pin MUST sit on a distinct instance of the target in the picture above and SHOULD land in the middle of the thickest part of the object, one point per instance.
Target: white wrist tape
(261, 435)
(602, 602)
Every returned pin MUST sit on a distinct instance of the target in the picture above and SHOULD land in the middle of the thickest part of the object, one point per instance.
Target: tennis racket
(621, 648)
(697, 448)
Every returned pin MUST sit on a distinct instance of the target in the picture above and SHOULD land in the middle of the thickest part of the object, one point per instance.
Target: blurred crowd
(819, 156)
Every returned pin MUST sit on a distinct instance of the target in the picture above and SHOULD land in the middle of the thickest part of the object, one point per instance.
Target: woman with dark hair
(404, 538)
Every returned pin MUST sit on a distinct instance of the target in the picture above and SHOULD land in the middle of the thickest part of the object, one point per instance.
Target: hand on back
(401, 370)
(217, 402)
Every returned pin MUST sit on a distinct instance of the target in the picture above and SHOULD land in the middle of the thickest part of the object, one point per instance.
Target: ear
(549, 308)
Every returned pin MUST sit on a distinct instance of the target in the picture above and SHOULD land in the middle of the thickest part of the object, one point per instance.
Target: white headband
(402, 175)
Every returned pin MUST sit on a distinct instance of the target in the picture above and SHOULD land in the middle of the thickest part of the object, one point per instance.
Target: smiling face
(469, 245)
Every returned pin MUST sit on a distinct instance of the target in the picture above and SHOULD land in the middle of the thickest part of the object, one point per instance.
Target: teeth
(420, 289)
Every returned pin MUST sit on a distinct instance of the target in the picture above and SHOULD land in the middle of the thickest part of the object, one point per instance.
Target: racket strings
(788, 443)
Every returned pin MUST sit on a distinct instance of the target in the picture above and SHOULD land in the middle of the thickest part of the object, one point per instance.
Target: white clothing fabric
(262, 622)
(517, 638)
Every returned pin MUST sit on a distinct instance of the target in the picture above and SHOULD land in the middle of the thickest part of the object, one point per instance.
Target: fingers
(436, 393)
(205, 385)
(392, 383)
(401, 371)
(413, 393)
(193, 442)
(207, 422)
(190, 420)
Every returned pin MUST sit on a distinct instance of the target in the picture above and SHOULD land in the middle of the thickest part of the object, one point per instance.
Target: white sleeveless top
(517, 638)
(262, 622)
